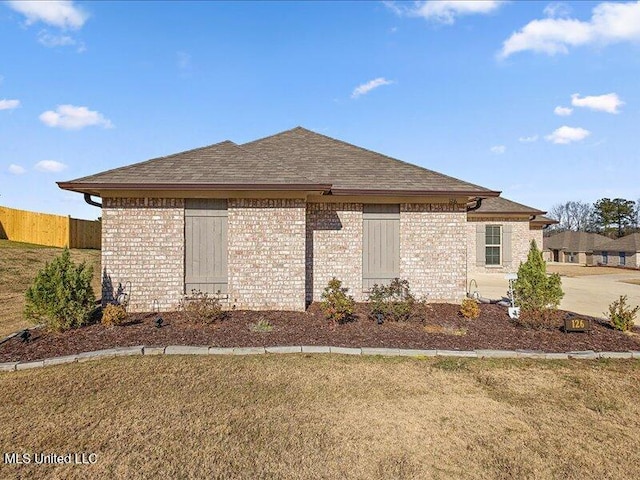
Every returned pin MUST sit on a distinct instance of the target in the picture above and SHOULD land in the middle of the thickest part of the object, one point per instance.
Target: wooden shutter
(205, 238)
(507, 256)
(480, 244)
(381, 244)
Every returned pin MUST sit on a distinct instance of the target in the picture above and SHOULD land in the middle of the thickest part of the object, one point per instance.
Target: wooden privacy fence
(47, 229)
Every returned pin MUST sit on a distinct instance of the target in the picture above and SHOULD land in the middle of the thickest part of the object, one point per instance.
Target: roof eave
(95, 188)
(411, 193)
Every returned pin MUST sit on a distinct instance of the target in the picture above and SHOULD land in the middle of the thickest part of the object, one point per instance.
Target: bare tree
(573, 215)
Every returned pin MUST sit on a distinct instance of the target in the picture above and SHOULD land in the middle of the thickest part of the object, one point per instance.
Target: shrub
(535, 291)
(202, 307)
(393, 301)
(548, 319)
(621, 316)
(470, 309)
(61, 296)
(336, 304)
(262, 326)
(113, 315)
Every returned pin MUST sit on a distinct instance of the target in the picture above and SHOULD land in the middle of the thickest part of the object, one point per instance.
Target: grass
(632, 281)
(581, 271)
(19, 264)
(312, 417)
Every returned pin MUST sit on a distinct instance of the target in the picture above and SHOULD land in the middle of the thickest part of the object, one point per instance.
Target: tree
(535, 291)
(618, 214)
(573, 215)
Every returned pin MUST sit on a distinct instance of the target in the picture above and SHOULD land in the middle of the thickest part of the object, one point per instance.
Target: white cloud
(71, 117)
(531, 139)
(9, 104)
(565, 135)
(498, 149)
(57, 13)
(603, 103)
(557, 9)
(50, 166)
(16, 169)
(370, 85)
(563, 111)
(609, 23)
(52, 40)
(444, 11)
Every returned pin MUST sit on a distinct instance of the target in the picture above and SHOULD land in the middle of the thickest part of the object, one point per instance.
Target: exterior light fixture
(25, 335)
(156, 309)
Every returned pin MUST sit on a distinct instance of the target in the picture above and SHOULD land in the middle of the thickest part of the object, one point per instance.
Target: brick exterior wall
(521, 236)
(267, 254)
(143, 243)
(282, 253)
(433, 244)
(334, 248)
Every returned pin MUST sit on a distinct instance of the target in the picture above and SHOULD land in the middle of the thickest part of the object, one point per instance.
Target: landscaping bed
(440, 327)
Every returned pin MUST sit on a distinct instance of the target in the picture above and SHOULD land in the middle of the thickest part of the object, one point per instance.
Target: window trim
(494, 245)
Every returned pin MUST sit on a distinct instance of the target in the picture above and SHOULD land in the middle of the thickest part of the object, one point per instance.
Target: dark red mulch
(493, 330)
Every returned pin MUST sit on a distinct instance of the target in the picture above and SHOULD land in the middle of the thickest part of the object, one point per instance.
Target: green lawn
(19, 264)
(326, 416)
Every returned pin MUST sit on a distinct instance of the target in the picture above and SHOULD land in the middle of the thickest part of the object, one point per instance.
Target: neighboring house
(572, 247)
(499, 234)
(623, 252)
(270, 222)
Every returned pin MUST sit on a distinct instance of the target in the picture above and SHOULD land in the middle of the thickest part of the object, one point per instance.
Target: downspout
(478, 201)
(87, 198)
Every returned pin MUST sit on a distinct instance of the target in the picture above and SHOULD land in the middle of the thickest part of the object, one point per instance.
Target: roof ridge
(137, 164)
(306, 131)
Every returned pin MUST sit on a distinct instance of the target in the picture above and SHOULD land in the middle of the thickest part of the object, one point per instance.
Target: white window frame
(493, 245)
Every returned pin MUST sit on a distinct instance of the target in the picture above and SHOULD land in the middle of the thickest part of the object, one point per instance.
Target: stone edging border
(389, 352)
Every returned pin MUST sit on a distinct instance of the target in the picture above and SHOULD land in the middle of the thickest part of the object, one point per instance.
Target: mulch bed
(441, 327)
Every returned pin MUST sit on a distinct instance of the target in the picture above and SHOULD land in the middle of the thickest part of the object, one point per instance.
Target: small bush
(202, 307)
(621, 316)
(262, 326)
(470, 309)
(61, 296)
(540, 319)
(113, 315)
(336, 304)
(535, 290)
(393, 301)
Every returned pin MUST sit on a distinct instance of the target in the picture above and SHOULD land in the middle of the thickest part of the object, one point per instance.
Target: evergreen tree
(534, 289)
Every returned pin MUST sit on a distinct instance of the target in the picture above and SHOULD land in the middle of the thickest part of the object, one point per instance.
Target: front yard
(19, 264)
(441, 326)
(314, 416)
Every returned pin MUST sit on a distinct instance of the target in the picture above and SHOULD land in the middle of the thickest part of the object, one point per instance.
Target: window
(572, 257)
(605, 258)
(493, 245)
(623, 258)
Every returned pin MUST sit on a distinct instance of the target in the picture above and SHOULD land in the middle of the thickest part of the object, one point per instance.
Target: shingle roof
(223, 163)
(574, 241)
(628, 243)
(352, 169)
(541, 219)
(503, 205)
(294, 159)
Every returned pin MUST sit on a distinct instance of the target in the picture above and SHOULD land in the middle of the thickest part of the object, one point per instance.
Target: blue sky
(539, 100)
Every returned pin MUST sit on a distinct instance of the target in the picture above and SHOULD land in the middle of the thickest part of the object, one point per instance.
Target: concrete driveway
(588, 295)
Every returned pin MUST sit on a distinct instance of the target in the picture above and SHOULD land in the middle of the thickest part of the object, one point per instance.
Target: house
(572, 247)
(268, 223)
(622, 252)
(499, 234)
